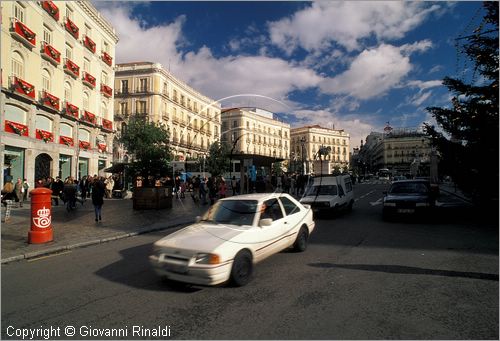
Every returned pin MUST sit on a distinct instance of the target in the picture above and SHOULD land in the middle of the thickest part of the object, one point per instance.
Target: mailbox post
(41, 216)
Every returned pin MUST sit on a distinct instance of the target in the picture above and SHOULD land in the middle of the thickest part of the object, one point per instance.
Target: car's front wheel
(300, 244)
(241, 272)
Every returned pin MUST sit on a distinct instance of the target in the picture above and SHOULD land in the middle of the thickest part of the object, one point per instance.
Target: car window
(409, 188)
(236, 212)
(272, 210)
(322, 190)
(348, 186)
(290, 207)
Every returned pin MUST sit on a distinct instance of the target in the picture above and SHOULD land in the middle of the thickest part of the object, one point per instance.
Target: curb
(58, 249)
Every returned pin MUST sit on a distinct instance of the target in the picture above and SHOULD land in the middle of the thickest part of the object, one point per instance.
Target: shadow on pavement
(135, 271)
(408, 270)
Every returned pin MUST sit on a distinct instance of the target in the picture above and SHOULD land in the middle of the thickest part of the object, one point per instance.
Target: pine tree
(469, 143)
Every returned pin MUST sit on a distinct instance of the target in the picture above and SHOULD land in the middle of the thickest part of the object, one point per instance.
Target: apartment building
(307, 141)
(148, 91)
(57, 63)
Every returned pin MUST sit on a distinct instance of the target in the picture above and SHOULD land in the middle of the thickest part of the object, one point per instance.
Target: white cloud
(347, 23)
(420, 98)
(372, 73)
(423, 85)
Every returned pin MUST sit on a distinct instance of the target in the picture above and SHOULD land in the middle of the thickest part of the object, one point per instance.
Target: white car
(233, 235)
(330, 193)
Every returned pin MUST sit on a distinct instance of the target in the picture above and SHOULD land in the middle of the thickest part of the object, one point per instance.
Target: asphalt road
(360, 278)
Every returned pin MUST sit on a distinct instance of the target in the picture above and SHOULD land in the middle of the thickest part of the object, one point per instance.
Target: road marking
(364, 195)
(378, 202)
(48, 256)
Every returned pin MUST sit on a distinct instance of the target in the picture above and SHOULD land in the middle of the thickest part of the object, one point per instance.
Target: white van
(330, 193)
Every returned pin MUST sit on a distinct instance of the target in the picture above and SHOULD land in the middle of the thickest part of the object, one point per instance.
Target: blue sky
(354, 65)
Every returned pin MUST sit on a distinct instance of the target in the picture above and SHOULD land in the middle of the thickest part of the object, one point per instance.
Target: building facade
(148, 91)
(307, 141)
(57, 101)
(255, 131)
(401, 150)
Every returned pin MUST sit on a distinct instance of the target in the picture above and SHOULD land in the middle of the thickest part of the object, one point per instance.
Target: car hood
(406, 197)
(202, 237)
(314, 198)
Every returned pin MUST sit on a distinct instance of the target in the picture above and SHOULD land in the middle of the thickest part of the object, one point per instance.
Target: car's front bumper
(195, 274)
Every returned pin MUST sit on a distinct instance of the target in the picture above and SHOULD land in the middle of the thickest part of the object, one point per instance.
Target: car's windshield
(409, 188)
(322, 190)
(234, 212)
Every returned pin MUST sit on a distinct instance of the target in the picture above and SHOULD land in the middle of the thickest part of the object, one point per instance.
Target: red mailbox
(41, 216)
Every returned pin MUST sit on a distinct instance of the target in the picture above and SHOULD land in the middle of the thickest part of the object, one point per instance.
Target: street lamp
(302, 143)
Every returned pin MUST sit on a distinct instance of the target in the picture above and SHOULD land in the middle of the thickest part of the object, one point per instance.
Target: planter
(147, 198)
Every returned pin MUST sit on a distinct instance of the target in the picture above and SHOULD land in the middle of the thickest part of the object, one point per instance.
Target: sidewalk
(451, 189)
(78, 228)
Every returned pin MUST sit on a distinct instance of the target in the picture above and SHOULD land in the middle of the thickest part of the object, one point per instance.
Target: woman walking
(98, 197)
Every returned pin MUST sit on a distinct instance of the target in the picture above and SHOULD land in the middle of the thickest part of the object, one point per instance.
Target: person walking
(26, 187)
(19, 192)
(234, 185)
(98, 192)
(110, 183)
(222, 188)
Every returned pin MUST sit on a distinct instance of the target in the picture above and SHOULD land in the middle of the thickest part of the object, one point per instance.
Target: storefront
(13, 164)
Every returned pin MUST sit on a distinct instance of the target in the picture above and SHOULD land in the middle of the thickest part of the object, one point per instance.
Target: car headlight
(422, 204)
(207, 258)
(390, 204)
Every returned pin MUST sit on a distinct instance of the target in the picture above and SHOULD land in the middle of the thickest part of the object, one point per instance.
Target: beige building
(57, 63)
(307, 141)
(147, 90)
(255, 131)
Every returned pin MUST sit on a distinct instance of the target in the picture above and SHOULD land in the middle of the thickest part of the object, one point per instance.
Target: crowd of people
(70, 191)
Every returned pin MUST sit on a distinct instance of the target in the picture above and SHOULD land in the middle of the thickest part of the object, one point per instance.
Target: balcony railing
(51, 9)
(107, 58)
(71, 28)
(88, 79)
(71, 68)
(106, 90)
(89, 44)
(50, 100)
(22, 87)
(50, 53)
(22, 33)
(71, 110)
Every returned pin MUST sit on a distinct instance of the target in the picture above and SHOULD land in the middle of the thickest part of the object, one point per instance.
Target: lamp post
(302, 143)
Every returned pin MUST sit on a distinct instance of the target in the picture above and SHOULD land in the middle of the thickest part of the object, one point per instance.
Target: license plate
(406, 210)
(180, 269)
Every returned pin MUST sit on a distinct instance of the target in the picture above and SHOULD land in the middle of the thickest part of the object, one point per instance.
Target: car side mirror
(265, 222)
(197, 219)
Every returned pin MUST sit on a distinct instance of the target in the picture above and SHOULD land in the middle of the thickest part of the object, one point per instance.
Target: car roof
(256, 196)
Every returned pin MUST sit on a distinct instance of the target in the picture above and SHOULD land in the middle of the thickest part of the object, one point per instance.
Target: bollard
(41, 216)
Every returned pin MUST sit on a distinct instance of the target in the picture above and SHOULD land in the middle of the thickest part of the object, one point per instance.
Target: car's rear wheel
(241, 272)
(300, 244)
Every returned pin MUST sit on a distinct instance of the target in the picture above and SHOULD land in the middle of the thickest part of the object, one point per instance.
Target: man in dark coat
(98, 191)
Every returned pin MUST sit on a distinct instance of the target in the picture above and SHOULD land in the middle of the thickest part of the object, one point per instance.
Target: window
(124, 108)
(104, 109)
(69, 13)
(67, 92)
(290, 207)
(69, 51)
(85, 101)
(45, 80)
(196, 107)
(165, 89)
(105, 47)
(141, 107)
(19, 11)
(86, 65)
(87, 31)
(17, 65)
(143, 84)
(348, 185)
(65, 130)
(104, 78)
(272, 210)
(43, 123)
(235, 124)
(47, 35)
(125, 86)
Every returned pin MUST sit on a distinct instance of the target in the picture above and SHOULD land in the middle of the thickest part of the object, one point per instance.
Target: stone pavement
(78, 227)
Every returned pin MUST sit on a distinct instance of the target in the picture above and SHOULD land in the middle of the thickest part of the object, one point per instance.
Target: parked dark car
(409, 198)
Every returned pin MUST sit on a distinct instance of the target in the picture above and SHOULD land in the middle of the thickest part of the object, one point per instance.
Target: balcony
(50, 53)
(71, 28)
(89, 44)
(16, 128)
(22, 88)
(106, 124)
(106, 90)
(71, 68)
(51, 9)
(71, 111)
(88, 117)
(22, 33)
(85, 145)
(107, 58)
(88, 79)
(66, 140)
(142, 90)
(50, 101)
(44, 135)
(101, 147)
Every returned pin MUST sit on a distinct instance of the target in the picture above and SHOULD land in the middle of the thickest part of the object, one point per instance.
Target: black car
(409, 198)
